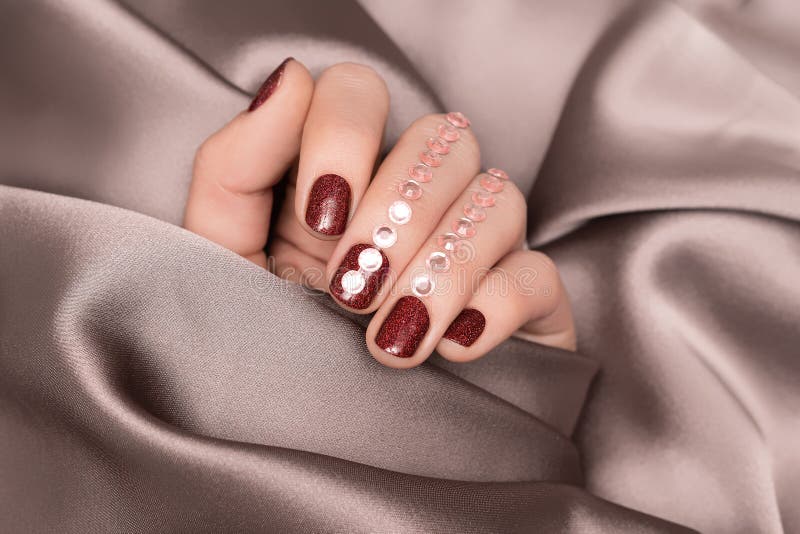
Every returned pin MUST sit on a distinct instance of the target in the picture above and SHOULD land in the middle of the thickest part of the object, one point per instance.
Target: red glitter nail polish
(466, 328)
(269, 86)
(328, 205)
(371, 278)
(404, 327)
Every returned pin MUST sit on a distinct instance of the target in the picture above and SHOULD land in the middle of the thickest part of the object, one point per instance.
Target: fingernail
(466, 328)
(360, 276)
(328, 205)
(268, 87)
(404, 327)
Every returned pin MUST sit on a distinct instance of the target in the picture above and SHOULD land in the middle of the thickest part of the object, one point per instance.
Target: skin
(335, 125)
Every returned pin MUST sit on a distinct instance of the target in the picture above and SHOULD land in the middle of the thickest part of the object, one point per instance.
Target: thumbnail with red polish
(404, 327)
(269, 86)
(360, 276)
(466, 328)
(328, 205)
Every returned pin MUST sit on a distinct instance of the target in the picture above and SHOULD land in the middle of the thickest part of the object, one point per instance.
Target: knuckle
(356, 76)
(541, 259)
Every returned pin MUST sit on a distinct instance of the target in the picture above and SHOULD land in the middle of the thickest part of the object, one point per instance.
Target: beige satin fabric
(152, 381)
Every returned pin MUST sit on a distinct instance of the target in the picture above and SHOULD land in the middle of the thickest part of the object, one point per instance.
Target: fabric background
(153, 381)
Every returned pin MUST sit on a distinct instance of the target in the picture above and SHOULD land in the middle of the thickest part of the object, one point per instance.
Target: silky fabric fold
(153, 381)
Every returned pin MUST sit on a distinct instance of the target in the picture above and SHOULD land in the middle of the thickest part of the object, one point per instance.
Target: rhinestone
(384, 236)
(448, 132)
(422, 285)
(353, 282)
(491, 183)
(400, 212)
(450, 242)
(438, 262)
(410, 189)
(421, 172)
(457, 119)
(464, 227)
(370, 259)
(475, 213)
(438, 145)
(498, 173)
(431, 158)
(482, 198)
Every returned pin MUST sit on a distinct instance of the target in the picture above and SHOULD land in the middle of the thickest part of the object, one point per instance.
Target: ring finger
(485, 223)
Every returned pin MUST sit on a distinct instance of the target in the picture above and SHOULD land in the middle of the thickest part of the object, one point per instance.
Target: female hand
(428, 243)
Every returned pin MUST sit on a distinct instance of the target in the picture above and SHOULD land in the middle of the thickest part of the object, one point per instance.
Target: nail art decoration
(466, 328)
(269, 86)
(421, 173)
(328, 205)
(360, 276)
(464, 227)
(448, 132)
(483, 198)
(384, 236)
(399, 212)
(422, 285)
(431, 158)
(438, 262)
(491, 183)
(410, 189)
(438, 145)
(457, 119)
(404, 328)
(474, 212)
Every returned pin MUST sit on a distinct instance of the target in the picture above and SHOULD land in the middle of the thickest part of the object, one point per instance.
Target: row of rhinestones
(463, 228)
(385, 235)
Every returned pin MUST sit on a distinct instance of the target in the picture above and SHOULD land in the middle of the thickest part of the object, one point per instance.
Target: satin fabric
(153, 381)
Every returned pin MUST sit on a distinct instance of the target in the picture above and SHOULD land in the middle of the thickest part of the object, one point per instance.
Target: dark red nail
(352, 272)
(466, 328)
(328, 205)
(268, 87)
(404, 328)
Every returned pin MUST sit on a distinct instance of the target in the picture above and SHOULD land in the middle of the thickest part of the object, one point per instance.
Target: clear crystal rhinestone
(384, 236)
(438, 145)
(450, 242)
(410, 189)
(353, 282)
(464, 227)
(431, 158)
(399, 212)
(370, 259)
(438, 262)
(483, 198)
(421, 172)
(473, 212)
(491, 183)
(457, 119)
(448, 132)
(422, 285)
(498, 173)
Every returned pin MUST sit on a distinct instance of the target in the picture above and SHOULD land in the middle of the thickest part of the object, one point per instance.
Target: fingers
(523, 291)
(341, 141)
(230, 198)
(446, 271)
(401, 208)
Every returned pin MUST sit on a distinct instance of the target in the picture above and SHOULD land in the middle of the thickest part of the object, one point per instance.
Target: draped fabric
(152, 381)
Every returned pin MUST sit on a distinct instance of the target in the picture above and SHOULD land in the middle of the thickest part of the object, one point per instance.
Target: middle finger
(434, 160)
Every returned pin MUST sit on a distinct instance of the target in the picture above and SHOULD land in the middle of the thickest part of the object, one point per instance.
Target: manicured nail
(404, 328)
(360, 276)
(466, 328)
(268, 87)
(328, 205)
